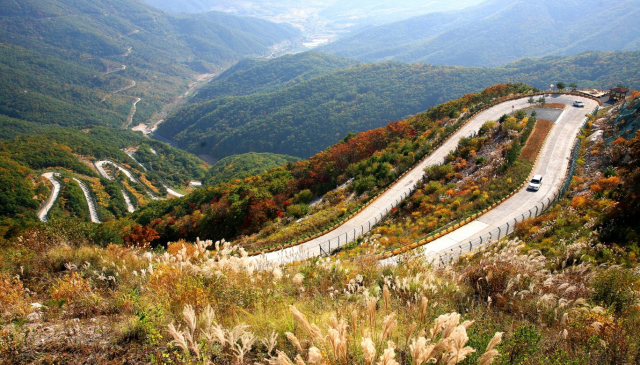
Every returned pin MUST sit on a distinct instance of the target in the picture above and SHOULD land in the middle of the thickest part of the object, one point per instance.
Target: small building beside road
(618, 93)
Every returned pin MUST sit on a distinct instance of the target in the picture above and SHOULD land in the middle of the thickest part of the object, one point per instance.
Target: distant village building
(618, 93)
(195, 184)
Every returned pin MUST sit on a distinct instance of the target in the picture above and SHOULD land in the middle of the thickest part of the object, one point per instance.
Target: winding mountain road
(42, 213)
(552, 164)
(172, 192)
(103, 172)
(100, 167)
(121, 68)
(134, 108)
(127, 199)
(131, 85)
(93, 212)
(168, 189)
(131, 154)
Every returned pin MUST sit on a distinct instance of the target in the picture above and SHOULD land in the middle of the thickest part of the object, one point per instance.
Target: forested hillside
(254, 76)
(72, 154)
(76, 74)
(306, 117)
(82, 62)
(373, 159)
(496, 32)
(245, 165)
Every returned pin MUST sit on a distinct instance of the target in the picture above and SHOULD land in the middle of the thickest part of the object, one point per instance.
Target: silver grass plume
(388, 326)
(315, 356)
(368, 350)
(388, 356)
(312, 330)
(294, 340)
(491, 353)
(270, 342)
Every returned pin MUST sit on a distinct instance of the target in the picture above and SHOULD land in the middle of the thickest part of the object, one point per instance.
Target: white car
(535, 183)
(578, 104)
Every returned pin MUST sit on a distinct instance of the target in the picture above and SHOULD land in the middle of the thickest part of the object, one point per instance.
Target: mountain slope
(584, 309)
(74, 63)
(24, 157)
(305, 118)
(252, 76)
(499, 31)
(245, 165)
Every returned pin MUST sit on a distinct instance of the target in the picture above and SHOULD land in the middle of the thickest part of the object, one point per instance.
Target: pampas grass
(294, 340)
(491, 353)
(235, 343)
(315, 356)
(388, 326)
(368, 350)
(388, 356)
(270, 342)
(311, 329)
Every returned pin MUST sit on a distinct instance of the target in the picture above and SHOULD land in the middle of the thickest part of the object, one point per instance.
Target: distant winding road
(42, 213)
(127, 199)
(134, 108)
(168, 189)
(93, 212)
(100, 167)
(552, 164)
(103, 172)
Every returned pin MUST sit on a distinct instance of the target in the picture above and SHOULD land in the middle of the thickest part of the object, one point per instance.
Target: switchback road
(552, 164)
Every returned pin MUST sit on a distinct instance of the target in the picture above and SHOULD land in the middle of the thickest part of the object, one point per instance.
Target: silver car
(578, 104)
(535, 183)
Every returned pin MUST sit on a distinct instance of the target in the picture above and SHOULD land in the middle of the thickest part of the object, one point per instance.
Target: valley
(320, 21)
(309, 101)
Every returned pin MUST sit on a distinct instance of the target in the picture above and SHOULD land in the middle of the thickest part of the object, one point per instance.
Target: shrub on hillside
(616, 288)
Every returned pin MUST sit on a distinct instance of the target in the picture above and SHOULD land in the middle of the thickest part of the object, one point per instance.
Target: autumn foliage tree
(138, 236)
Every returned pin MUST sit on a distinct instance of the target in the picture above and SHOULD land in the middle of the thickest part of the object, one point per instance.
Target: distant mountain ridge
(304, 118)
(333, 13)
(497, 32)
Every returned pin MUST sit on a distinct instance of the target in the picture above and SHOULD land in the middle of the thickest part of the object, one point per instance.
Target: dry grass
(13, 297)
(551, 106)
(536, 139)
(198, 305)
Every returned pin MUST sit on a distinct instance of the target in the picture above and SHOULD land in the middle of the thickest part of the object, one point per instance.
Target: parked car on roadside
(535, 183)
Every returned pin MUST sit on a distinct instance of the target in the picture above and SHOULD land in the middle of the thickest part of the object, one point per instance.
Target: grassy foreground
(190, 304)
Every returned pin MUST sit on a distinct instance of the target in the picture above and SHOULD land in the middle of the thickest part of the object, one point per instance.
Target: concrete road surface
(42, 213)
